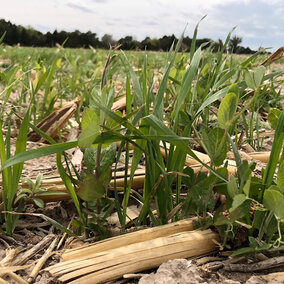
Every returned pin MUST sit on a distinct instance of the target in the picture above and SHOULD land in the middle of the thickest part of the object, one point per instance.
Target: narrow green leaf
(158, 108)
(2, 37)
(273, 116)
(211, 99)
(187, 80)
(280, 176)
(193, 42)
(128, 96)
(40, 152)
(275, 152)
(163, 129)
(68, 184)
(20, 148)
(138, 94)
(49, 80)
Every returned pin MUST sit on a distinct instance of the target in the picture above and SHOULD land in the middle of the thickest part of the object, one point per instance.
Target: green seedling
(31, 191)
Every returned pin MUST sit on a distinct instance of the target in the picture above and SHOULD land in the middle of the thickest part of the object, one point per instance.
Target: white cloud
(255, 19)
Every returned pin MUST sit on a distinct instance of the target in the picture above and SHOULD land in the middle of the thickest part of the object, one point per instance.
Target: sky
(258, 22)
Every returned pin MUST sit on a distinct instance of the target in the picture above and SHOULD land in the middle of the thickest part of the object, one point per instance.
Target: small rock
(180, 271)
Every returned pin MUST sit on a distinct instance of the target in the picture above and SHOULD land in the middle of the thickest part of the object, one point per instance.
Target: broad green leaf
(256, 187)
(241, 211)
(258, 219)
(88, 117)
(258, 75)
(234, 88)
(107, 157)
(30, 183)
(249, 80)
(275, 187)
(273, 200)
(232, 187)
(244, 174)
(238, 200)
(38, 180)
(227, 110)
(254, 78)
(19, 197)
(246, 188)
(38, 202)
(90, 154)
(90, 189)
(221, 220)
(212, 141)
(88, 135)
(221, 186)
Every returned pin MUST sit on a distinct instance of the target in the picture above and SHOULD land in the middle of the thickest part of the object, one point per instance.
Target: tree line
(28, 36)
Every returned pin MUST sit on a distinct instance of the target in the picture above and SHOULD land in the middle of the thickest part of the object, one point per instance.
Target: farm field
(95, 144)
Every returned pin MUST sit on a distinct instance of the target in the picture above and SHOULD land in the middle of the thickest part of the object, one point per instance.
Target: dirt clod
(181, 271)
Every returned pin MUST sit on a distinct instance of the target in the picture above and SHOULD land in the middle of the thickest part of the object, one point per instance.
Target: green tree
(107, 40)
(234, 44)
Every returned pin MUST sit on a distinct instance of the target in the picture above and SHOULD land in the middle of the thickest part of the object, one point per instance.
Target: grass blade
(275, 152)
(40, 152)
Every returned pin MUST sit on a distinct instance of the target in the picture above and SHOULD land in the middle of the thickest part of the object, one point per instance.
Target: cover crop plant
(201, 97)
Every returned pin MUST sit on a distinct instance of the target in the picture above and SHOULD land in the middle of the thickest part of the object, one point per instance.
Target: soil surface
(33, 229)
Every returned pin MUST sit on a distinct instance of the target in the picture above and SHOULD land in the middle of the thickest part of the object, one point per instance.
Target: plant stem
(265, 224)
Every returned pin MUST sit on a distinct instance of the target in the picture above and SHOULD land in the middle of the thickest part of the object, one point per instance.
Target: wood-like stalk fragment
(112, 264)
(56, 120)
(262, 265)
(131, 238)
(42, 260)
(22, 258)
